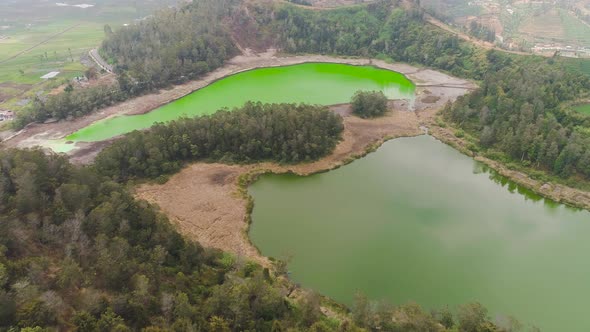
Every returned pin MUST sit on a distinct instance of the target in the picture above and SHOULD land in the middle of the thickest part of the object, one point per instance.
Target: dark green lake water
(312, 83)
(418, 221)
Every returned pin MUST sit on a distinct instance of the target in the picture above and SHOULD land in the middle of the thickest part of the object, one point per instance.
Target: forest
(518, 112)
(78, 252)
(521, 112)
(285, 133)
(173, 46)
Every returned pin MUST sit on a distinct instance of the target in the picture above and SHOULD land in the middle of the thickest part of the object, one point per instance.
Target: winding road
(99, 60)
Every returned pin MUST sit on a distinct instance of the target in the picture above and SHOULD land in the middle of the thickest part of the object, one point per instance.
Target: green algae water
(417, 221)
(313, 83)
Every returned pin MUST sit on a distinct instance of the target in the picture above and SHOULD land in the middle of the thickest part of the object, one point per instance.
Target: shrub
(369, 104)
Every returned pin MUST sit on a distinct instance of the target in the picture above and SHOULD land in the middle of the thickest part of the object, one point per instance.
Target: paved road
(100, 61)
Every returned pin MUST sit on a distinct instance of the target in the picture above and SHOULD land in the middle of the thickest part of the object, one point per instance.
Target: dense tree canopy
(78, 252)
(519, 112)
(173, 46)
(285, 133)
(369, 104)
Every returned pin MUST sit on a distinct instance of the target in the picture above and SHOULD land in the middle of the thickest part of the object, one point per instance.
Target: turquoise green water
(313, 83)
(418, 221)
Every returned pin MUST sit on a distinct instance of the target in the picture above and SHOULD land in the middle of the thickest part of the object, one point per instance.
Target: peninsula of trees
(285, 133)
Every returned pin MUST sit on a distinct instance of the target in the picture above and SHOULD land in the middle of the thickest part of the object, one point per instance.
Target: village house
(6, 115)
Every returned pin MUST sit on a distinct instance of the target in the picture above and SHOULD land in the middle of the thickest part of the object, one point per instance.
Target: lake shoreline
(209, 202)
(556, 192)
(37, 134)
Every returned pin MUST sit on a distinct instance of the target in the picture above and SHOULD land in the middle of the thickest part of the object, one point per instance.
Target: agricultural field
(527, 25)
(548, 25)
(458, 10)
(575, 29)
(38, 37)
(556, 25)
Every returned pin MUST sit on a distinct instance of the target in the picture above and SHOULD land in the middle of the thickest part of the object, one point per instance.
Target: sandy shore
(208, 202)
(38, 134)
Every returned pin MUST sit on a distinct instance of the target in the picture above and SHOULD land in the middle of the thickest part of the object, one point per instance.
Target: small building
(49, 75)
(6, 115)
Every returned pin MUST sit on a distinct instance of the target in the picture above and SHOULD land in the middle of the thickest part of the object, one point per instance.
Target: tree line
(78, 252)
(285, 133)
(173, 46)
(519, 112)
(71, 103)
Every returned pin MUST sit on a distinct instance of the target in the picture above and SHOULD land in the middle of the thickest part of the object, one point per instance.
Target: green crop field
(575, 30)
(61, 53)
(38, 37)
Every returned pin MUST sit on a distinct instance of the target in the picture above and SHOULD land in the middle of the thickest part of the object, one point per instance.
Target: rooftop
(50, 75)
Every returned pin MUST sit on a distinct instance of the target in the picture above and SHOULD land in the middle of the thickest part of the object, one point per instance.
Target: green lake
(417, 221)
(313, 83)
